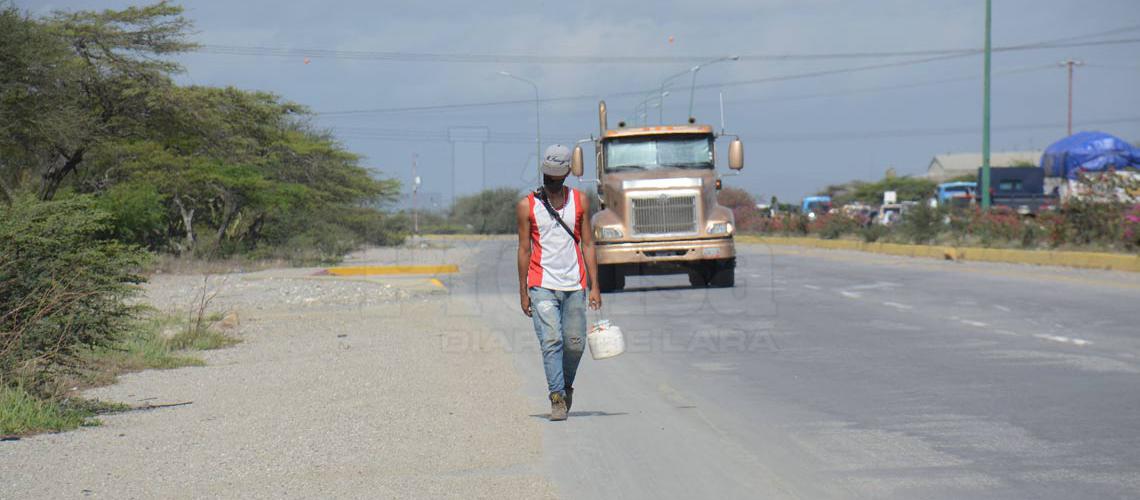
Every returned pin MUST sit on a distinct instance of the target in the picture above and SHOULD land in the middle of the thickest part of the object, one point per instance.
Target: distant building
(948, 166)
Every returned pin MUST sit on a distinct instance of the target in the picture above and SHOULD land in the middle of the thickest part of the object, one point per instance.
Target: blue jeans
(560, 323)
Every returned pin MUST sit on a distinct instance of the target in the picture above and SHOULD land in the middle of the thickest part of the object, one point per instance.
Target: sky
(805, 122)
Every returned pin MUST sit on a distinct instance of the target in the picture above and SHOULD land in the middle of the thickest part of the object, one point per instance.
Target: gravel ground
(341, 388)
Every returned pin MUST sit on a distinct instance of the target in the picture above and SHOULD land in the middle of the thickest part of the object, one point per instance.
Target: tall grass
(22, 413)
(156, 342)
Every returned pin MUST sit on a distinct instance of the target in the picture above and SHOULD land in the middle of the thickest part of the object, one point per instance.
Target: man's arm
(588, 253)
(522, 214)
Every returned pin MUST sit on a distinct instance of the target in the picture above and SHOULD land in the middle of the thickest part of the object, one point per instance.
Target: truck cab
(657, 188)
(814, 206)
(1021, 189)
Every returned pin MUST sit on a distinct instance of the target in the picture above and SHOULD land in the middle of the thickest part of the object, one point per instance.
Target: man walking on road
(556, 262)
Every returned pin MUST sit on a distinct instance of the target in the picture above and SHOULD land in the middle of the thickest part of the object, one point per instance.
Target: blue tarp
(1088, 152)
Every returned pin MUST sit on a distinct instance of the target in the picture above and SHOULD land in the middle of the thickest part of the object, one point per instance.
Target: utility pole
(986, 117)
(415, 190)
(1070, 63)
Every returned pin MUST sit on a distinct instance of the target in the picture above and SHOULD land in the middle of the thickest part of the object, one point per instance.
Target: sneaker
(558, 409)
(569, 398)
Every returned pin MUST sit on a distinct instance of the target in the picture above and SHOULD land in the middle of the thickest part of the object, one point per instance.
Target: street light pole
(415, 191)
(693, 85)
(644, 106)
(661, 92)
(537, 116)
(986, 117)
(1070, 63)
(693, 71)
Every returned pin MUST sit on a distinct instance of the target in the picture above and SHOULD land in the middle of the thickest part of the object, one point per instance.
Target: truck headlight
(720, 228)
(609, 233)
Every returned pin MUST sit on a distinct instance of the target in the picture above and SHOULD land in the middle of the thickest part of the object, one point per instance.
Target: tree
(30, 65)
(88, 106)
(81, 79)
(907, 188)
(491, 211)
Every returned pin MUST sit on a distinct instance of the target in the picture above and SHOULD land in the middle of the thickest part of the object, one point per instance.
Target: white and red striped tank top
(555, 259)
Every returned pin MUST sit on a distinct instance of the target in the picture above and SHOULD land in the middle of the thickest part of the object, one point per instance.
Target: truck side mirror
(736, 154)
(576, 162)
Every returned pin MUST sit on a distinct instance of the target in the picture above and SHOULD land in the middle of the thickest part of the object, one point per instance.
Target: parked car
(957, 194)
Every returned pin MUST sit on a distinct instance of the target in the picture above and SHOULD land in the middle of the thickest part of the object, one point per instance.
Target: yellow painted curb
(1085, 260)
(391, 270)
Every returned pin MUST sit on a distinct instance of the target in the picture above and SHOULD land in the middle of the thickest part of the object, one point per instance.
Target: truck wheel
(610, 278)
(697, 277)
(723, 274)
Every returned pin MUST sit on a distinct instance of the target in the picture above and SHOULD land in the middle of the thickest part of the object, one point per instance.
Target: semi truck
(656, 190)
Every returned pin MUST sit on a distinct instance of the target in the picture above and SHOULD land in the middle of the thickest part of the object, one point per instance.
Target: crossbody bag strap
(541, 195)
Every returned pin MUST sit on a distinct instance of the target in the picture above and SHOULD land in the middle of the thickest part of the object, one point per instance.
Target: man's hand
(525, 299)
(595, 299)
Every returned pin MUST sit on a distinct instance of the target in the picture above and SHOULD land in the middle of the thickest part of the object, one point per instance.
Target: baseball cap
(556, 160)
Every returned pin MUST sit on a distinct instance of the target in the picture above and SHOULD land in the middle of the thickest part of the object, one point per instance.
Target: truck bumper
(675, 252)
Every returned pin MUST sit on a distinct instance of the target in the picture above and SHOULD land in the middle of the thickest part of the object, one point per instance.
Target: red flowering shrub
(1132, 227)
(743, 206)
(1052, 228)
(833, 226)
(999, 224)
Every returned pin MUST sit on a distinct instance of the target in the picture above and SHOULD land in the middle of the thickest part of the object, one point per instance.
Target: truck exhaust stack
(602, 122)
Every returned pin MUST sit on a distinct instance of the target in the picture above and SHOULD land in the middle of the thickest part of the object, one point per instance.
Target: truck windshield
(656, 152)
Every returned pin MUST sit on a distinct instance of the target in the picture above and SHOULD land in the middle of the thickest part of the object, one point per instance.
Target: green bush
(491, 211)
(922, 223)
(834, 226)
(137, 214)
(63, 287)
(1089, 221)
(874, 232)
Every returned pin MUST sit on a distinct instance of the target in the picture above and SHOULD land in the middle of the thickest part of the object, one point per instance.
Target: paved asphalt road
(844, 375)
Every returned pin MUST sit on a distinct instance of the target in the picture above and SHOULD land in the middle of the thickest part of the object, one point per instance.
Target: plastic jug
(605, 339)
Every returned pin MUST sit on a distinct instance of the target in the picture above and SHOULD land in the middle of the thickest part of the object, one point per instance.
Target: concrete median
(1086, 260)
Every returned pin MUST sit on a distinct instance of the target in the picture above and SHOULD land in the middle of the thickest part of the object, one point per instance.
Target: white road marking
(812, 287)
(1002, 308)
(1063, 339)
(1007, 332)
(850, 295)
(896, 305)
(978, 324)
(872, 286)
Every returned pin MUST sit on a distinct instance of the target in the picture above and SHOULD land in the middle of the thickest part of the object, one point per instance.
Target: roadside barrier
(1085, 260)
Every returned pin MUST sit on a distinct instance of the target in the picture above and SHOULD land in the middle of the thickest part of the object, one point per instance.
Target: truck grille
(664, 214)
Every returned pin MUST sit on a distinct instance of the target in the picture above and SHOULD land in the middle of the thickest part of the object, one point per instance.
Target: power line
(428, 57)
(634, 93)
(778, 78)
(882, 88)
(1114, 67)
(522, 138)
(931, 132)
